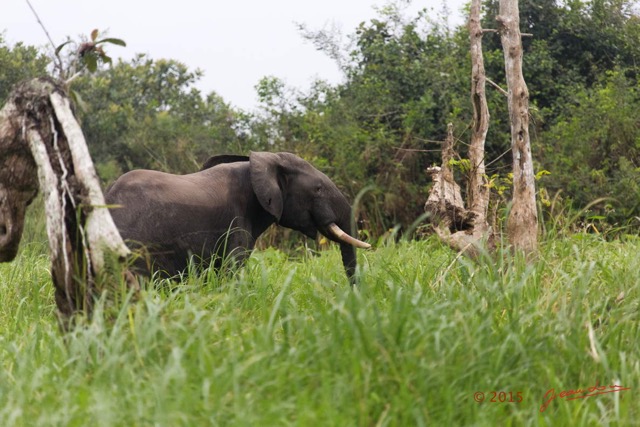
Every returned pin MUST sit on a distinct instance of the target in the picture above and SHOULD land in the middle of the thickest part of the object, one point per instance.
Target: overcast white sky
(235, 42)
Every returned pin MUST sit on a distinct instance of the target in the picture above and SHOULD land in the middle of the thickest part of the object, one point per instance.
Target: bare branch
(497, 86)
(53, 45)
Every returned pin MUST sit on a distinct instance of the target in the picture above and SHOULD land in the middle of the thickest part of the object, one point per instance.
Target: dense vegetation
(285, 341)
(406, 77)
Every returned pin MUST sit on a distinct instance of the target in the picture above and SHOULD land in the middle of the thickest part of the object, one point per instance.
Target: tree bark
(41, 144)
(445, 202)
(522, 224)
(478, 188)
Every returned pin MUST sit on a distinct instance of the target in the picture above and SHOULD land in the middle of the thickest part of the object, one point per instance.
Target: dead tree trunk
(522, 224)
(42, 145)
(445, 202)
(478, 188)
(460, 228)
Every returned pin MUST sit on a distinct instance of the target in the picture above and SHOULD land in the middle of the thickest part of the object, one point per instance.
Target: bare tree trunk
(465, 229)
(522, 224)
(478, 189)
(38, 132)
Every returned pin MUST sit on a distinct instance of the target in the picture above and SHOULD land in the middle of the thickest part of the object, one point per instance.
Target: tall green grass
(286, 341)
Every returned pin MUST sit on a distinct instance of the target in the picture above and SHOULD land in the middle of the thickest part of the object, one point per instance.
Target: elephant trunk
(349, 261)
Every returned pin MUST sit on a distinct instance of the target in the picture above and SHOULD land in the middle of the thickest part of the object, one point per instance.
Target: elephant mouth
(341, 236)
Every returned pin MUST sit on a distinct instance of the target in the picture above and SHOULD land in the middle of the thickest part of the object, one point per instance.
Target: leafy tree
(594, 151)
(572, 44)
(146, 114)
(19, 62)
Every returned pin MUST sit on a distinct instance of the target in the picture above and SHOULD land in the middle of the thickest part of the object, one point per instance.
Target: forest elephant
(220, 211)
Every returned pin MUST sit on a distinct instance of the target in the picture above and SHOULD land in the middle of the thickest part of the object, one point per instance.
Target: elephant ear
(224, 158)
(265, 178)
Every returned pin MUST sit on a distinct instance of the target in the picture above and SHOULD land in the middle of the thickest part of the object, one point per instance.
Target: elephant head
(302, 198)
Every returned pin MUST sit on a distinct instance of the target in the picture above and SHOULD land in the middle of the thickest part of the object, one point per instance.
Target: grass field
(287, 342)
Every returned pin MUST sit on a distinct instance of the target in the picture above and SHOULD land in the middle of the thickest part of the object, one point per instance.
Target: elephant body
(220, 211)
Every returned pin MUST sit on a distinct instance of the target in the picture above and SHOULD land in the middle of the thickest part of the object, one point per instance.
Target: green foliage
(287, 341)
(595, 151)
(146, 114)
(90, 53)
(85, 58)
(18, 63)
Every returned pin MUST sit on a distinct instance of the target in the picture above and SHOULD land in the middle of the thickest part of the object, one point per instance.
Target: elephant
(220, 211)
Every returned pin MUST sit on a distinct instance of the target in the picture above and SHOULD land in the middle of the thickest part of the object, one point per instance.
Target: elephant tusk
(344, 237)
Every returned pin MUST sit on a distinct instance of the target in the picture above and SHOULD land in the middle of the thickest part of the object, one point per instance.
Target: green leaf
(542, 173)
(112, 40)
(59, 48)
(91, 61)
(75, 96)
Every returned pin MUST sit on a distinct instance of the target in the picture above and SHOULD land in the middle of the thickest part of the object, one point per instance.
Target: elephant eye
(319, 188)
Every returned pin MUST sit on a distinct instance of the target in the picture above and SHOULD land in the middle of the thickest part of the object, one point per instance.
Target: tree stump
(42, 147)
